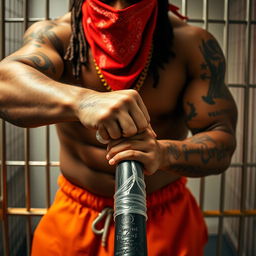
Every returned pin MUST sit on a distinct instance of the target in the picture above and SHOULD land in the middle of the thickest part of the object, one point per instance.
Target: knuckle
(115, 107)
(133, 154)
(134, 93)
(127, 99)
(115, 136)
(130, 96)
(142, 127)
(151, 143)
(130, 131)
(106, 115)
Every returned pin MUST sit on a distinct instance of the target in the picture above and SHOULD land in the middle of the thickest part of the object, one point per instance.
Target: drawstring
(108, 212)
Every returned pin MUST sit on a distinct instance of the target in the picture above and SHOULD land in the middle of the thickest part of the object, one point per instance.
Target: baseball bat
(130, 210)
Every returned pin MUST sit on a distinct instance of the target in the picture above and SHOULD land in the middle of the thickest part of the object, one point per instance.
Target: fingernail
(107, 156)
(112, 161)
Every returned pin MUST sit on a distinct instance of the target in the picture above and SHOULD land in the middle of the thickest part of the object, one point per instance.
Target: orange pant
(175, 225)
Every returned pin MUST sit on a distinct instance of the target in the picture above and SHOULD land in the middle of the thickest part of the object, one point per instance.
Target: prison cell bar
(3, 177)
(193, 20)
(246, 127)
(47, 168)
(28, 211)
(223, 175)
(205, 25)
(27, 154)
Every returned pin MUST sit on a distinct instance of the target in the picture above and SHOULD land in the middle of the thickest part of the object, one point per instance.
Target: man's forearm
(203, 154)
(29, 98)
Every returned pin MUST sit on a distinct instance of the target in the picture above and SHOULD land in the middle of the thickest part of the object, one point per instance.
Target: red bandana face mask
(120, 40)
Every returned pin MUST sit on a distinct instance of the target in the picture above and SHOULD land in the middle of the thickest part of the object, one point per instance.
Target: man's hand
(113, 114)
(143, 147)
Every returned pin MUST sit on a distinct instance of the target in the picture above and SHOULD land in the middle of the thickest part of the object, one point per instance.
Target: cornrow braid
(77, 52)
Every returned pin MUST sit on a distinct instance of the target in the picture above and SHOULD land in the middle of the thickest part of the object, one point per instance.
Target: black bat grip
(130, 222)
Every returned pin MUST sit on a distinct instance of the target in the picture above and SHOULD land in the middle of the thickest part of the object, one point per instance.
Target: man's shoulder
(186, 32)
(188, 39)
(57, 31)
(63, 21)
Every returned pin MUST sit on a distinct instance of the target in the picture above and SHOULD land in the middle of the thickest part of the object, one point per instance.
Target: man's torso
(83, 158)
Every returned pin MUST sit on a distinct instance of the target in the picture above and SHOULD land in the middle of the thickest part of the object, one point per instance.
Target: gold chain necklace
(141, 79)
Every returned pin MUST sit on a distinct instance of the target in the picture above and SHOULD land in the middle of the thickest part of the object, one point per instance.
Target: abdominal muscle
(83, 162)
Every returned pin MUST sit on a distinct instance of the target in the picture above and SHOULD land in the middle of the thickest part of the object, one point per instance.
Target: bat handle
(130, 210)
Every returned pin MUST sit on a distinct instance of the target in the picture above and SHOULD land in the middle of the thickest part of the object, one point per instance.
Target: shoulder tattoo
(38, 38)
(213, 69)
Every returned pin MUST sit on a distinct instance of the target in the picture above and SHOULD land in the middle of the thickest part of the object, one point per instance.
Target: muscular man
(143, 79)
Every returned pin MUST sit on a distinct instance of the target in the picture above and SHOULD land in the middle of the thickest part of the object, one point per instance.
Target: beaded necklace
(140, 81)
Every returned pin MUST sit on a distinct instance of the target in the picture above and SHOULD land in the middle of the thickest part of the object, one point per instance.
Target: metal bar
(215, 21)
(25, 14)
(27, 189)
(21, 20)
(221, 219)
(47, 168)
(4, 195)
(69, 4)
(57, 163)
(2, 31)
(3, 170)
(242, 85)
(184, 7)
(202, 180)
(223, 176)
(47, 9)
(246, 127)
(27, 154)
(201, 193)
(241, 165)
(231, 213)
(25, 212)
(32, 163)
(206, 13)
(208, 214)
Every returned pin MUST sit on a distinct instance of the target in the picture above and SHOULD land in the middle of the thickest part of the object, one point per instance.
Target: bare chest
(161, 100)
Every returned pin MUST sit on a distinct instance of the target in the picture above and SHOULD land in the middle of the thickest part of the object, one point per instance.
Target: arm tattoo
(85, 105)
(39, 60)
(205, 151)
(202, 139)
(173, 150)
(38, 38)
(213, 70)
(220, 112)
(192, 112)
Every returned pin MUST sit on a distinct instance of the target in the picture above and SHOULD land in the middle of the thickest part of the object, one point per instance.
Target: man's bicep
(207, 100)
(202, 116)
(45, 61)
